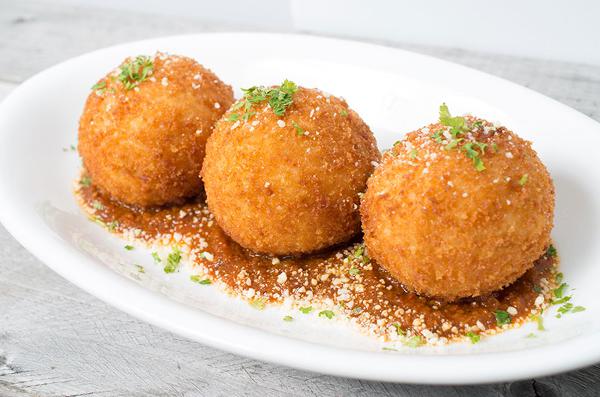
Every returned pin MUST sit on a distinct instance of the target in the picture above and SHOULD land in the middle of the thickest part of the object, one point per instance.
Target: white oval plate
(394, 91)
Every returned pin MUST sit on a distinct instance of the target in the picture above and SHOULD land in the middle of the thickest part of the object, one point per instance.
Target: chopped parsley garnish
(258, 303)
(399, 330)
(156, 257)
(288, 318)
(502, 317)
(279, 99)
(97, 205)
(561, 300)
(99, 86)
(299, 130)
(197, 279)
(173, 260)
(129, 247)
(233, 117)
(540, 321)
(359, 253)
(447, 120)
(135, 71)
(140, 269)
(344, 113)
(414, 341)
(564, 309)
(85, 181)
(458, 126)
(560, 291)
(474, 154)
(577, 309)
(326, 313)
(523, 179)
(473, 337)
(389, 349)
(414, 153)
(306, 309)
(551, 253)
(354, 271)
(559, 276)
(112, 226)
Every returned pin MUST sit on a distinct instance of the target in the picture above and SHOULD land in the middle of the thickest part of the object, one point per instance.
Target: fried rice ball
(454, 215)
(289, 184)
(143, 130)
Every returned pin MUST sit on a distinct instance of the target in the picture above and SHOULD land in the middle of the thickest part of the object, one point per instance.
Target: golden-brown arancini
(143, 130)
(459, 208)
(284, 169)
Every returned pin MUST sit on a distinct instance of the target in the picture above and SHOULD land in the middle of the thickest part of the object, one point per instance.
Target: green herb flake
(156, 257)
(399, 330)
(477, 124)
(473, 150)
(97, 205)
(112, 226)
(354, 271)
(99, 86)
(306, 309)
(558, 278)
(140, 269)
(564, 309)
(561, 300)
(449, 121)
(551, 253)
(578, 309)
(502, 317)
(560, 291)
(539, 321)
(173, 260)
(258, 303)
(288, 318)
(531, 336)
(299, 130)
(473, 337)
(129, 247)
(279, 98)
(135, 71)
(523, 179)
(389, 349)
(85, 181)
(233, 117)
(414, 153)
(198, 280)
(537, 288)
(414, 341)
(344, 113)
(326, 313)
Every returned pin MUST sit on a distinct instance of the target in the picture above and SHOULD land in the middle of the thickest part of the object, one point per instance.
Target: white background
(567, 30)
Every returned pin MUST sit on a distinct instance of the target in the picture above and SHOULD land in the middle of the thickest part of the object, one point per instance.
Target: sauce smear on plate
(340, 282)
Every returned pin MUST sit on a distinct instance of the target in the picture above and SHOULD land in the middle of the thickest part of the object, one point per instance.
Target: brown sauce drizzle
(338, 281)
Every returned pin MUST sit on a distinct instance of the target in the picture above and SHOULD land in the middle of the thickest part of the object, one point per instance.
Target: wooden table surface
(57, 340)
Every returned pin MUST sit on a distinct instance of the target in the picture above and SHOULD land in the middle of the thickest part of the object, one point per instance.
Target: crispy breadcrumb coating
(289, 184)
(453, 216)
(143, 131)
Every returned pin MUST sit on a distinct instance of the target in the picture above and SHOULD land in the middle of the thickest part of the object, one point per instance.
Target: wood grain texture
(56, 340)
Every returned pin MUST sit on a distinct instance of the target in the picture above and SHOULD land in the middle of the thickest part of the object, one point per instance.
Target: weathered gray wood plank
(57, 340)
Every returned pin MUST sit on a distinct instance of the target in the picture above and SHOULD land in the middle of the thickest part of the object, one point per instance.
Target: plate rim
(377, 366)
